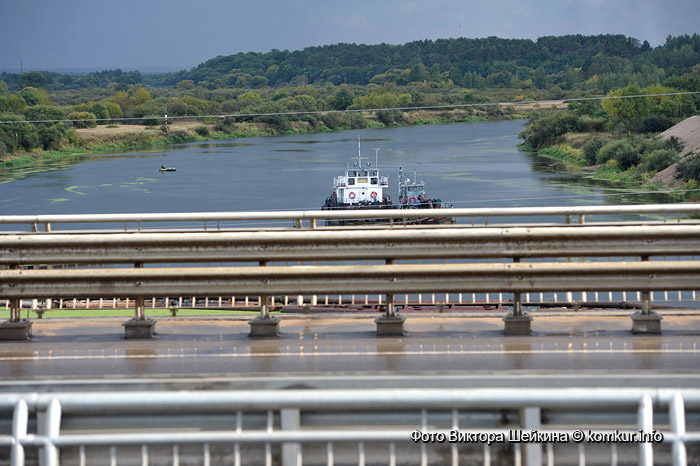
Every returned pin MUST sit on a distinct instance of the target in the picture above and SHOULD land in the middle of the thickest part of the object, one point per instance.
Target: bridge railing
(654, 213)
(514, 263)
(372, 426)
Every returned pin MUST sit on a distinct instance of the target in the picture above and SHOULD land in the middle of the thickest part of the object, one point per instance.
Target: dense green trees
(573, 62)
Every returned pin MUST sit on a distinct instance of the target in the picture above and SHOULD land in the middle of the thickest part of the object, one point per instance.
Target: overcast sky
(159, 35)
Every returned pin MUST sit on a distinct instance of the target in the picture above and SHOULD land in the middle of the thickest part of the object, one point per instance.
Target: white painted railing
(372, 426)
(663, 213)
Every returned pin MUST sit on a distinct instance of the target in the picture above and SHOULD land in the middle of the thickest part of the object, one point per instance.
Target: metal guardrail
(348, 279)
(381, 262)
(350, 245)
(228, 220)
(396, 426)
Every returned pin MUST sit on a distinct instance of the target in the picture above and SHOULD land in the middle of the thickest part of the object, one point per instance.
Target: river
(466, 165)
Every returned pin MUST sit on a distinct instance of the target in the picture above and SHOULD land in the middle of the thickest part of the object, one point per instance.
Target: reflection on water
(215, 144)
(467, 165)
(583, 185)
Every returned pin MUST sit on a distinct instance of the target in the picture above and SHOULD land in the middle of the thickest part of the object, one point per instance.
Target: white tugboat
(363, 187)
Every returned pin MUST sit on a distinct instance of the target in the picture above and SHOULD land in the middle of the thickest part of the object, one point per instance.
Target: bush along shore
(604, 142)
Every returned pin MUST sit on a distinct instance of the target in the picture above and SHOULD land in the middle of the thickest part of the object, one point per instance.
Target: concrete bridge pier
(16, 328)
(139, 326)
(646, 321)
(517, 322)
(264, 325)
(390, 323)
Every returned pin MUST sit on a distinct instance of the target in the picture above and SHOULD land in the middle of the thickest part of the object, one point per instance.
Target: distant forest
(595, 64)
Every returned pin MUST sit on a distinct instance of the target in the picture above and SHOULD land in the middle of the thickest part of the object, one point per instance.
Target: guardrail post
(517, 322)
(646, 321)
(645, 423)
(390, 323)
(15, 310)
(49, 426)
(677, 420)
(20, 423)
(264, 325)
(291, 452)
(16, 328)
(139, 326)
(531, 419)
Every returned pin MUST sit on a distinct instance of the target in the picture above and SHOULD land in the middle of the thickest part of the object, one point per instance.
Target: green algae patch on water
(74, 190)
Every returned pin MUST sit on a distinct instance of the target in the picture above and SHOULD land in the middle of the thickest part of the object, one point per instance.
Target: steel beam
(368, 244)
(365, 279)
(299, 216)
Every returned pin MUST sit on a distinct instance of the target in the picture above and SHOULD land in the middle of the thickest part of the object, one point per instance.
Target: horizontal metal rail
(333, 245)
(354, 426)
(405, 398)
(214, 220)
(352, 279)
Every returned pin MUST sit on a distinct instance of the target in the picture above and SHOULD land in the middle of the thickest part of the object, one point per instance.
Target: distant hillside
(572, 62)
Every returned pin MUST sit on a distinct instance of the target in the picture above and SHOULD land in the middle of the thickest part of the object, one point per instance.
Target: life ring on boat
(413, 199)
(374, 194)
(351, 195)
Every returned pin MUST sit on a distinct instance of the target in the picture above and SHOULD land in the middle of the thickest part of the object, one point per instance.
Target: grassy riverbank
(587, 146)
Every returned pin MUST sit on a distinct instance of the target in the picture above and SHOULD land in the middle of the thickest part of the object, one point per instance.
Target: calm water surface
(467, 165)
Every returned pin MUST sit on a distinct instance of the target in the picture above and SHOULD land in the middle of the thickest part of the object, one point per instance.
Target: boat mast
(359, 155)
(398, 187)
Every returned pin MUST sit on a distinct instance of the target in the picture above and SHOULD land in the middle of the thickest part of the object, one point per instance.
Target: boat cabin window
(362, 180)
(374, 172)
(352, 173)
(351, 181)
(374, 181)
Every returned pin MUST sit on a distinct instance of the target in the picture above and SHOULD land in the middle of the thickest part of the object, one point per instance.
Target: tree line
(571, 62)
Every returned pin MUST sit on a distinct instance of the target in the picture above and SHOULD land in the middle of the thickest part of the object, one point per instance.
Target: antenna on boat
(376, 157)
(359, 163)
(398, 188)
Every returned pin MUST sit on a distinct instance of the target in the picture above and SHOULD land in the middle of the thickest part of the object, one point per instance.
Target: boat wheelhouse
(362, 185)
(411, 193)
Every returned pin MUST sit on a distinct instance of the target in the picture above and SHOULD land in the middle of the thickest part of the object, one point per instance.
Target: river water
(467, 165)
